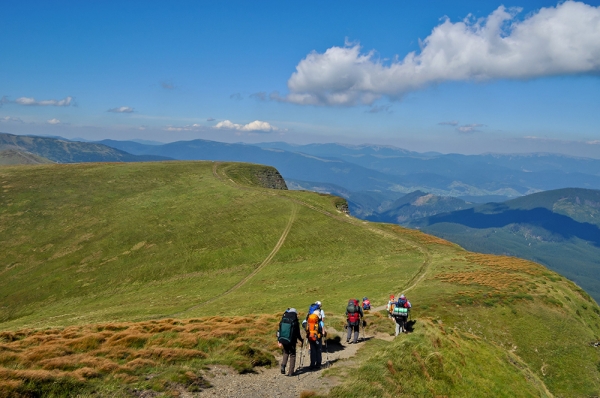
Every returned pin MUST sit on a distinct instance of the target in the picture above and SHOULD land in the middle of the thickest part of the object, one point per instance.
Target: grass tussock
(45, 362)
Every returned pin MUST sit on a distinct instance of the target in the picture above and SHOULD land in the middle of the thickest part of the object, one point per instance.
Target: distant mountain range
(65, 151)
(440, 194)
(558, 228)
(370, 177)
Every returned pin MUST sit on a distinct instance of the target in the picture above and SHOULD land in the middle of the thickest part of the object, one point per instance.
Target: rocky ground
(271, 383)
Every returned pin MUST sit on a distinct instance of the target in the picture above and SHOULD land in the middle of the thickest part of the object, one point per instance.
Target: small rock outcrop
(269, 177)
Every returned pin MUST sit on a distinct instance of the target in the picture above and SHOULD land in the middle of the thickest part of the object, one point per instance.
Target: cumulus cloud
(121, 109)
(30, 101)
(53, 121)
(559, 40)
(256, 125)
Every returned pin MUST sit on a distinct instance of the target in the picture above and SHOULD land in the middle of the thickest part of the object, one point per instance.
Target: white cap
(318, 303)
(292, 310)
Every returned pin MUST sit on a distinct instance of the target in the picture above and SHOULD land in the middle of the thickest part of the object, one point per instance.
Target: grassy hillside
(111, 273)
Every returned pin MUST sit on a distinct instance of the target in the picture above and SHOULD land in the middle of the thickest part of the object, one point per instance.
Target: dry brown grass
(496, 280)
(422, 237)
(505, 263)
(120, 350)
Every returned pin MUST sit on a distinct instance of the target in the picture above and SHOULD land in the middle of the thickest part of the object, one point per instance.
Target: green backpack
(400, 311)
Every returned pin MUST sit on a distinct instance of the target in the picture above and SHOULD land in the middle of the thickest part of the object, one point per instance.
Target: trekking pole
(302, 355)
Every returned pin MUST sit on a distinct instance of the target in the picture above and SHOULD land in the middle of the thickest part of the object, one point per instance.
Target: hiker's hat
(402, 296)
(318, 303)
(292, 310)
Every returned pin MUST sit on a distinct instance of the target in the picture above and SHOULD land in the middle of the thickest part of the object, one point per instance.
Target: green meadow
(193, 245)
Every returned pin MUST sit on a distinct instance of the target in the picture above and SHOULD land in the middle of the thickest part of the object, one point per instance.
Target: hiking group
(289, 335)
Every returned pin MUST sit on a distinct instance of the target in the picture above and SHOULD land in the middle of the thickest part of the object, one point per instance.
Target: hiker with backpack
(288, 336)
(401, 310)
(314, 307)
(354, 315)
(390, 306)
(315, 331)
(366, 304)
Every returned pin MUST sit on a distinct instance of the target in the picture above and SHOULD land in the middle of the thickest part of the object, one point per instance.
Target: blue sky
(466, 77)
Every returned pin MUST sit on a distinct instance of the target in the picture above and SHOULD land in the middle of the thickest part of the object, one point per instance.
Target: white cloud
(54, 121)
(469, 128)
(7, 119)
(121, 109)
(256, 125)
(52, 102)
(191, 127)
(557, 40)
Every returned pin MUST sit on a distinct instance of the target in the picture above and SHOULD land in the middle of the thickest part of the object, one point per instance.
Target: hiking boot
(282, 369)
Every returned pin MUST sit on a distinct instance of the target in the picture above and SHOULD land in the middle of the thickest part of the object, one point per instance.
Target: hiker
(390, 306)
(366, 303)
(315, 331)
(401, 309)
(354, 315)
(313, 307)
(288, 336)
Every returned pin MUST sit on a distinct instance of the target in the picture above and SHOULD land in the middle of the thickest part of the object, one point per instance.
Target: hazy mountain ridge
(15, 156)
(64, 151)
(364, 168)
(417, 205)
(558, 228)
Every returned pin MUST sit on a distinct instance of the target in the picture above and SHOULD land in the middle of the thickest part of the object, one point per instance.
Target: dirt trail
(271, 383)
(265, 262)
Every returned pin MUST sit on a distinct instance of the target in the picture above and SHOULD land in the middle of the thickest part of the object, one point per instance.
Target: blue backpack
(312, 308)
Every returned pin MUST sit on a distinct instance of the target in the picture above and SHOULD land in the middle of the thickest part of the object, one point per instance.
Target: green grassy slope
(90, 243)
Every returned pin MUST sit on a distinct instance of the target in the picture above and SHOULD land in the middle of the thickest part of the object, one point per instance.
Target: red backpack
(353, 312)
